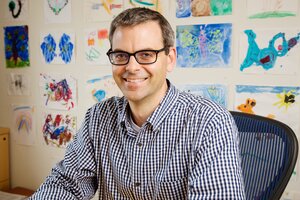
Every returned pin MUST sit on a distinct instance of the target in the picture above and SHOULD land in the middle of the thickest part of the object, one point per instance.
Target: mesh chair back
(269, 150)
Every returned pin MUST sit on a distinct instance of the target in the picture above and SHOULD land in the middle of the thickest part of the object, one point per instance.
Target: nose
(132, 65)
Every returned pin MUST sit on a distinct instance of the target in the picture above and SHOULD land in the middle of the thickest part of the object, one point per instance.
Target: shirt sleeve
(216, 173)
(75, 176)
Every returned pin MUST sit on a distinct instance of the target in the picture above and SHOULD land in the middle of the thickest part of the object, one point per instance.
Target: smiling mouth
(129, 80)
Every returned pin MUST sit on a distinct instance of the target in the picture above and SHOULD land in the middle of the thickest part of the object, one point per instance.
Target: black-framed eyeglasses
(144, 57)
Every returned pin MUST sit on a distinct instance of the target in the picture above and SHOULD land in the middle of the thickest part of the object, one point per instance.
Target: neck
(140, 111)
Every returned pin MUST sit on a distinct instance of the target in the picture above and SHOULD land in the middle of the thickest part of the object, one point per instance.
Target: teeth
(134, 80)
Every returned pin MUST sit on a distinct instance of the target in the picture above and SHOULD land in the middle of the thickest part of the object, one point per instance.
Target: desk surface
(21, 191)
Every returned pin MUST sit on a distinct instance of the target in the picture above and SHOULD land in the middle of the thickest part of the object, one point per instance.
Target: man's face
(140, 82)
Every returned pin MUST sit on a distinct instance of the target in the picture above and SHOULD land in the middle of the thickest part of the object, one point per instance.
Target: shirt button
(137, 184)
(139, 144)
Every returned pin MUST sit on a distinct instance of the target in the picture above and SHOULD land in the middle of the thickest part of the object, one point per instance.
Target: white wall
(31, 164)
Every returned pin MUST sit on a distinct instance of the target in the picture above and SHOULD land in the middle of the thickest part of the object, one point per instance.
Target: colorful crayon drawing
(23, 125)
(198, 8)
(157, 5)
(103, 87)
(217, 93)
(102, 10)
(206, 45)
(278, 102)
(271, 8)
(58, 48)
(57, 6)
(57, 11)
(96, 45)
(18, 84)
(16, 46)
(58, 129)
(16, 10)
(279, 51)
(58, 92)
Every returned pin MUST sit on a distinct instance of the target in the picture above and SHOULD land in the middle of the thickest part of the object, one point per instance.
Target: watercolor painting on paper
(18, 84)
(16, 10)
(16, 46)
(102, 87)
(157, 5)
(102, 10)
(57, 11)
(58, 91)
(198, 8)
(262, 9)
(58, 129)
(58, 48)
(23, 124)
(96, 44)
(215, 92)
(276, 102)
(269, 51)
(204, 45)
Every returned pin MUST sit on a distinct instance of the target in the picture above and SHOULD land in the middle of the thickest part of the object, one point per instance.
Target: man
(155, 142)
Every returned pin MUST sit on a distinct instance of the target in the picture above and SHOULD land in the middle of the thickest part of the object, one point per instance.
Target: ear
(171, 59)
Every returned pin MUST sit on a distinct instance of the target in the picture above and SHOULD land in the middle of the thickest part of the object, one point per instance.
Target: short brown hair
(139, 15)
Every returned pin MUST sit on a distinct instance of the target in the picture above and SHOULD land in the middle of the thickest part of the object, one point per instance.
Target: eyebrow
(146, 49)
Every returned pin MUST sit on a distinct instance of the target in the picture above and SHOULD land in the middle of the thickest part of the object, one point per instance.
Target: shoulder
(200, 104)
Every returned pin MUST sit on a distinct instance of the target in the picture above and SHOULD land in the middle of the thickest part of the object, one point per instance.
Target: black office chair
(269, 151)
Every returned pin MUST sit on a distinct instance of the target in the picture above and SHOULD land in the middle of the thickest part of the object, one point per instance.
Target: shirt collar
(161, 112)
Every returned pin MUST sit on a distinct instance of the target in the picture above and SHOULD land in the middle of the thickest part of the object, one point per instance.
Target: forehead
(144, 35)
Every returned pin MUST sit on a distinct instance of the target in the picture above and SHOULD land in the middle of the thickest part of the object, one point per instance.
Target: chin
(133, 96)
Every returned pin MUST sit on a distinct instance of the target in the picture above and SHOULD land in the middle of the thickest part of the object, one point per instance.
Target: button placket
(139, 144)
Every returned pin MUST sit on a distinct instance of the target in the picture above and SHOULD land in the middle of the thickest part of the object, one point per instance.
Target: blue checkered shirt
(187, 149)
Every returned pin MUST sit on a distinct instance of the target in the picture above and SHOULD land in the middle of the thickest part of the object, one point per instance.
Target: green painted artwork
(261, 9)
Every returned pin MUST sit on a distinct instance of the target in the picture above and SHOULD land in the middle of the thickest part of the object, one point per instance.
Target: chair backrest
(269, 151)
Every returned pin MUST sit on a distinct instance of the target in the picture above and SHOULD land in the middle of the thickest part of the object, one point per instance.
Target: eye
(120, 56)
(145, 55)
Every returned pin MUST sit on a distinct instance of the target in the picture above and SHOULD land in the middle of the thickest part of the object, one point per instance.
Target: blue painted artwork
(205, 45)
(216, 92)
(183, 9)
(48, 48)
(66, 48)
(198, 8)
(16, 46)
(58, 48)
(103, 87)
(266, 57)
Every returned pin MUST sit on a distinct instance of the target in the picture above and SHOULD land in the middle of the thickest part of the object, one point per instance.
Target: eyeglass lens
(142, 57)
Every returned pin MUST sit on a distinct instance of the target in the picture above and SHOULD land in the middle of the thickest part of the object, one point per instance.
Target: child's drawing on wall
(102, 10)
(277, 102)
(205, 45)
(58, 91)
(271, 8)
(16, 43)
(16, 10)
(58, 48)
(18, 84)
(23, 124)
(58, 129)
(96, 44)
(215, 92)
(57, 11)
(198, 8)
(269, 51)
(102, 87)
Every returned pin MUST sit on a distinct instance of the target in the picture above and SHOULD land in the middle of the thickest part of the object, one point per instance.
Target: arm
(216, 173)
(75, 176)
